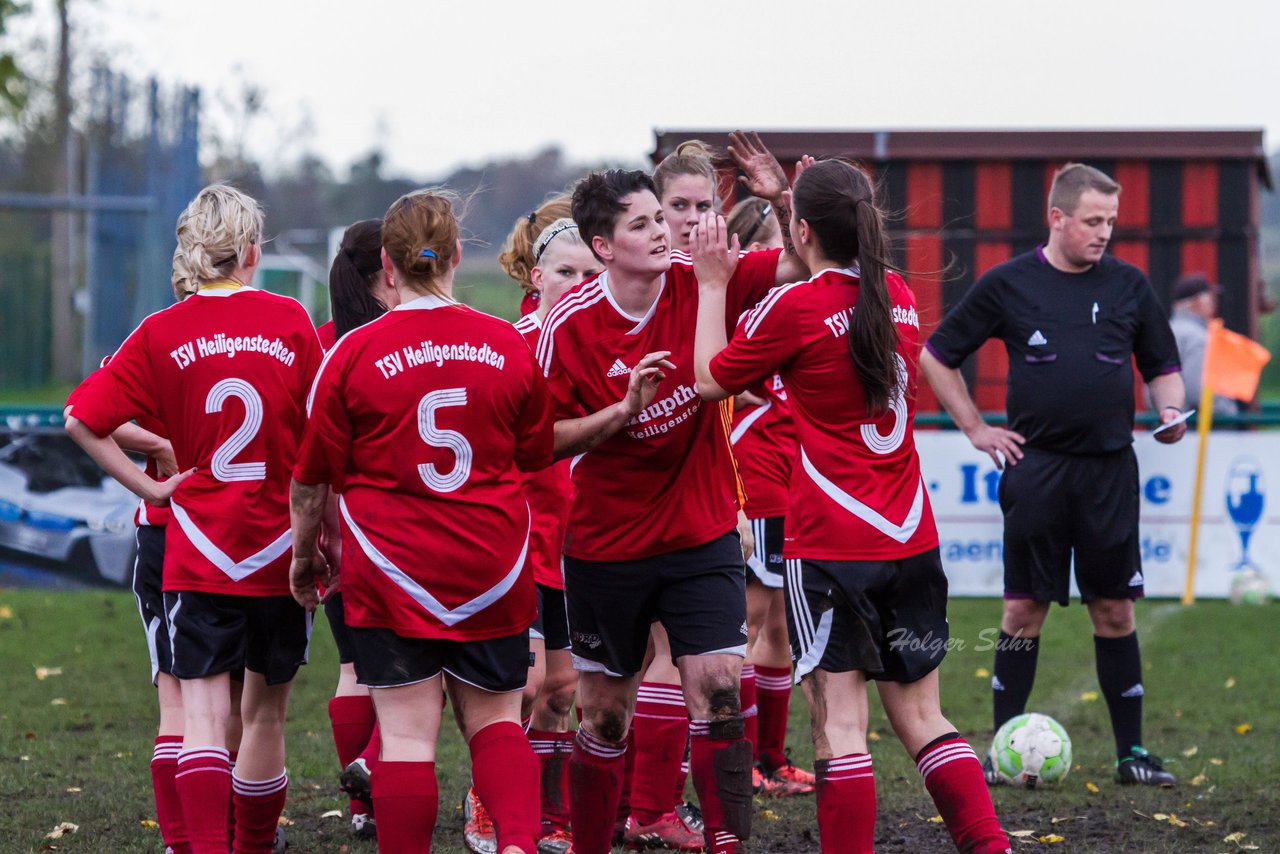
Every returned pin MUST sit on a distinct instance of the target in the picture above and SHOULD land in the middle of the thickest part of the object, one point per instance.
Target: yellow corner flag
(1233, 363)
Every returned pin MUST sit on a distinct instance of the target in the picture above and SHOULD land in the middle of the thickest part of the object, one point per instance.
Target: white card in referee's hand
(1183, 417)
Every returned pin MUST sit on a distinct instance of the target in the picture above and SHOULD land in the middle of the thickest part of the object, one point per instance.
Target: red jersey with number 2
(424, 419)
(856, 488)
(227, 372)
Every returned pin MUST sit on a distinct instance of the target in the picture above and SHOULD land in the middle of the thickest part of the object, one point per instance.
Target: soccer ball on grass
(1031, 750)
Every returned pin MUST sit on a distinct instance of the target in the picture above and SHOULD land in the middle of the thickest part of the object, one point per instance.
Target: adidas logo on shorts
(1037, 339)
(1136, 579)
(996, 684)
(1135, 691)
(617, 369)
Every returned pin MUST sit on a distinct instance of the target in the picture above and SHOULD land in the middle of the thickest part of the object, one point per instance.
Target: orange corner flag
(1233, 363)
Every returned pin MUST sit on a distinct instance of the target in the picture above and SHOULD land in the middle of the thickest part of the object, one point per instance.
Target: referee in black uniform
(1073, 320)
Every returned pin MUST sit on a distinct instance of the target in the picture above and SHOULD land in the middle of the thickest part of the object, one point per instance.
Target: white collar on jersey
(222, 292)
(425, 302)
(640, 322)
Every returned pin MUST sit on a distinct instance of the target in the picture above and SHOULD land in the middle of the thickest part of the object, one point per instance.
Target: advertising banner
(1239, 527)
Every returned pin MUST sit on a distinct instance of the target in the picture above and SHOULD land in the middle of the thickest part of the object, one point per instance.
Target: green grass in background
(75, 746)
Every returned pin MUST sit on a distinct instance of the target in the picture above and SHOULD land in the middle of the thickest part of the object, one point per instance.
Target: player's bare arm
(108, 455)
(306, 509)
(713, 263)
(132, 437)
(575, 436)
(1169, 394)
(948, 384)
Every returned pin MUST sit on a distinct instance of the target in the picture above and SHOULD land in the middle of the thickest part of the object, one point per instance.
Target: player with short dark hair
(1073, 320)
(422, 420)
(652, 531)
(226, 371)
(863, 568)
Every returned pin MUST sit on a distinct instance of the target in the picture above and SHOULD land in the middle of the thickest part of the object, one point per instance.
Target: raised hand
(762, 173)
(714, 256)
(646, 376)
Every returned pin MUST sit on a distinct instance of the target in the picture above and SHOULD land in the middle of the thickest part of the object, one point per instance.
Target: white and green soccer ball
(1250, 587)
(1031, 750)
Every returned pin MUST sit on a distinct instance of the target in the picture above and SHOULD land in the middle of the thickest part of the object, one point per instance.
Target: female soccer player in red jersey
(226, 371)
(555, 259)
(422, 420)
(359, 292)
(865, 586)
(763, 440)
(652, 529)
(516, 256)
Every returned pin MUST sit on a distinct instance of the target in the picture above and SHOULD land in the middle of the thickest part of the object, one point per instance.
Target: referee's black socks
(1120, 678)
(1014, 673)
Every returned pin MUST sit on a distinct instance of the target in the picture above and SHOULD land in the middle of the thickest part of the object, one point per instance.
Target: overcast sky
(436, 84)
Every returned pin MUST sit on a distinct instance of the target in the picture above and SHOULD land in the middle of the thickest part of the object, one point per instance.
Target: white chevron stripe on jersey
(419, 594)
(587, 297)
(235, 570)
(900, 533)
(745, 424)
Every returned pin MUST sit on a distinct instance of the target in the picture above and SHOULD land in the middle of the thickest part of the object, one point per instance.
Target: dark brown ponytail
(837, 200)
(352, 277)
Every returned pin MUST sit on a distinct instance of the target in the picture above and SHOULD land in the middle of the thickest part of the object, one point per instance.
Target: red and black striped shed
(964, 201)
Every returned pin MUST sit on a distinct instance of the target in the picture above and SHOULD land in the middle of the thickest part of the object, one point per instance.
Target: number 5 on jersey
(438, 437)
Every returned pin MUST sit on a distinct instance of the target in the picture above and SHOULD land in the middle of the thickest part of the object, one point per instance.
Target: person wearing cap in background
(1195, 303)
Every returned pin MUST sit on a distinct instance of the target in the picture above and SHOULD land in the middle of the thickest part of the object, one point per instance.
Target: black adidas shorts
(1058, 505)
(766, 563)
(887, 618)
(334, 612)
(552, 625)
(147, 592)
(214, 633)
(699, 594)
(385, 659)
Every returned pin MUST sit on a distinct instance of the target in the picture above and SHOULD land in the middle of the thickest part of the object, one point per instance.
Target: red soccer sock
(372, 750)
(553, 750)
(353, 721)
(661, 726)
(258, 804)
(724, 795)
(846, 804)
(595, 785)
(164, 764)
(231, 802)
(628, 777)
(953, 776)
(773, 697)
(203, 780)
(504, 772)
(407, 799)
(750, 710)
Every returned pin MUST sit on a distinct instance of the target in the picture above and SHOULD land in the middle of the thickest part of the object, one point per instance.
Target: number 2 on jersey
(438, 437)
(223, 469)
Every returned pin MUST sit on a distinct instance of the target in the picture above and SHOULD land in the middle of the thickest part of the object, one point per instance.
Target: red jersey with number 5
(424, 419)
(666, 480)
(227, 372)
(856, 488)
(550, 494)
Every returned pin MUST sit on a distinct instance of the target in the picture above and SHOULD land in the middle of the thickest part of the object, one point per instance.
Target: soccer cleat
(989, 772)
(478, 832)
(670, 831)
(363, 826)
(788, 780)
(691, 815)
(556, 842)
(280, 844)
(759, 782)
(1143, 768)
(354, 780)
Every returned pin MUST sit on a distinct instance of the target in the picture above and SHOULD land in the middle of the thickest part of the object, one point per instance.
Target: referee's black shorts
(1059, 505)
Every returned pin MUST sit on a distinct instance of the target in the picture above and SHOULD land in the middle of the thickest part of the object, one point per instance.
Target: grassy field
(75, 744)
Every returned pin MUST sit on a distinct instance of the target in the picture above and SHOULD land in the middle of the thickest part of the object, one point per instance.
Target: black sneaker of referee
(1144, 769)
